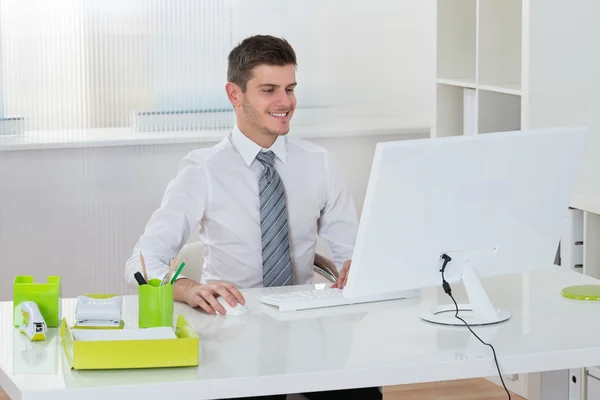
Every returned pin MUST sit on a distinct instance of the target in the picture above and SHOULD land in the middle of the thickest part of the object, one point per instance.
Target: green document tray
(582, 292)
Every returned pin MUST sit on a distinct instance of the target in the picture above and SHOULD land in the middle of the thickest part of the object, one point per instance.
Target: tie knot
(266, 158)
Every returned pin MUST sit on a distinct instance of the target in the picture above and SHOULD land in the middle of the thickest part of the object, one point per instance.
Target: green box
(155, 304)
(121, 354)
(47, 296)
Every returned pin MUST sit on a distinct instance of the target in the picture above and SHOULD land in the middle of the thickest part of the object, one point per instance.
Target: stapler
(98, 311)
(34, 325)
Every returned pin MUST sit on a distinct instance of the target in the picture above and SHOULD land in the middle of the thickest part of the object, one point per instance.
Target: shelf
(460, 82)
(506, 88)
(456, 38)
(498, 112)
(499, 50)
(586, 203)
(449, 110)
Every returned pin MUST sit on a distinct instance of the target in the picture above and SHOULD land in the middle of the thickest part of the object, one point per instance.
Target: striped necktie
(277, 269)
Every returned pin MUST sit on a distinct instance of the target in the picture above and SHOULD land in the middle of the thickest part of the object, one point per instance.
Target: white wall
(562, 74)
(90, 64)
(78, 212)
(376, 54)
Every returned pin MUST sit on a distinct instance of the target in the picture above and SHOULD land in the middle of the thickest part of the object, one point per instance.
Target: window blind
(68, 66)
(73, 64)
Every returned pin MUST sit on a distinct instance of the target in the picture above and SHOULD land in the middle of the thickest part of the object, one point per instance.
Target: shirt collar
(249, 149)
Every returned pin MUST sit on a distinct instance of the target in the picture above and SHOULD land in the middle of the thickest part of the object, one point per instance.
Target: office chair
(324, 269)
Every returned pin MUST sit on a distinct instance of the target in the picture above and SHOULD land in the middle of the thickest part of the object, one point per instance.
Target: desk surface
(377, 344)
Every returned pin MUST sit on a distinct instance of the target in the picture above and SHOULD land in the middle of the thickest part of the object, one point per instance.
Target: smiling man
(259, 199)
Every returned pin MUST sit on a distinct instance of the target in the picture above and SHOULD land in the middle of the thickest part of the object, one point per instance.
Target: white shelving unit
(498, 111)
(478, 48)
(456, 35)
(499, 49)
(506, 65)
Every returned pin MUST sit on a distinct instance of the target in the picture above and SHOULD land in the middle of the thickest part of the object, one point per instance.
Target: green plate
(582, 292)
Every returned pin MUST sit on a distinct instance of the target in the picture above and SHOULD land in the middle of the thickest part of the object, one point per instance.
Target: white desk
(374, 344)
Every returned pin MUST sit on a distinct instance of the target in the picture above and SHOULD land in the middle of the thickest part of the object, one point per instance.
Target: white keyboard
(306, 299)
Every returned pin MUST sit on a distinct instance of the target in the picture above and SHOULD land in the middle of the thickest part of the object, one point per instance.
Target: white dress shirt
(215, 193)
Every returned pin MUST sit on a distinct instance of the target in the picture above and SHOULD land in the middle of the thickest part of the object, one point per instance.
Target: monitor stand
(479, 311)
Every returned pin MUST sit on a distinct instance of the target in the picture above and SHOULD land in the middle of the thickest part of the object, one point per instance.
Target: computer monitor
(495, 203)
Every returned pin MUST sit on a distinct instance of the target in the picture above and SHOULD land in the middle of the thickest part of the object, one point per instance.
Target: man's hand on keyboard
(343, 277)
(204, 296)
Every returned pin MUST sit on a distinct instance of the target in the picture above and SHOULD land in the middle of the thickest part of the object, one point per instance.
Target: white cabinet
(504, 65)
(593, 383)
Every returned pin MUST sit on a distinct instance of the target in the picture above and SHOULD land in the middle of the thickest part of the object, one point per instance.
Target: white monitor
(495, 203)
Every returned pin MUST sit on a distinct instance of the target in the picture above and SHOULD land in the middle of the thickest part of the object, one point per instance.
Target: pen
(178, 271)
(139, 278)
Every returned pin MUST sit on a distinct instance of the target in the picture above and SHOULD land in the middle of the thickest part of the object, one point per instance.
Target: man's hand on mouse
(343, 277)
(205, 296)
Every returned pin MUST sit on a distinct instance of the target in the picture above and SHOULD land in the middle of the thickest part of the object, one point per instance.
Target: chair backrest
(194, 252)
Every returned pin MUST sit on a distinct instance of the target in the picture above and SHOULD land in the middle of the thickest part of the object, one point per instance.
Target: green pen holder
(47, 296)
(155, 304)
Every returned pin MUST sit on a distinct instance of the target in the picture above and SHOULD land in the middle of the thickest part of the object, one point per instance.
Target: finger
(224, 293)
(346, 271)
(335, 284)
(340, 282)
(204, 305)
(346, 266)
(340, 279)
(236, 293)
(346, 277)
(210, 299)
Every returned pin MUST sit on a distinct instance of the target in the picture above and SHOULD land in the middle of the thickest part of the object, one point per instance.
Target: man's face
(269, 101)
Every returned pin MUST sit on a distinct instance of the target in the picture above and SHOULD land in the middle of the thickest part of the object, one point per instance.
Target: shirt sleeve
(169, 228)
(338, 222)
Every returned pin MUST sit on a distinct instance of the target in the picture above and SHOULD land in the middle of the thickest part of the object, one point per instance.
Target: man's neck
(263, 140)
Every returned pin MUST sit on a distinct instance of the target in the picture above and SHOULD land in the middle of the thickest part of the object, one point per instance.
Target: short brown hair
(256, 50)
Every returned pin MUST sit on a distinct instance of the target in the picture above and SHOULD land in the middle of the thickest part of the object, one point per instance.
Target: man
(259, 199)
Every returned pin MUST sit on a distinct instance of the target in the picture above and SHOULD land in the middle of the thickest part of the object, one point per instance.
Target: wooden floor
(469, 389)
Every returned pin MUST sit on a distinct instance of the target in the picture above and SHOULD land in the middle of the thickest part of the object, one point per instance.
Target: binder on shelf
(469, 112)
(575, 383)
(571, 244)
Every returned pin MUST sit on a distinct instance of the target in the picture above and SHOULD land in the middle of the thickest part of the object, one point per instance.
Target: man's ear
(234, 93)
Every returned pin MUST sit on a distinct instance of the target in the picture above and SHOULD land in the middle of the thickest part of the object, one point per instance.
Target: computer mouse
(238, 310)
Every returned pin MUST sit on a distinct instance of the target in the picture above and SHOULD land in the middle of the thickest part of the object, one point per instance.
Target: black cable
(448, 291)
